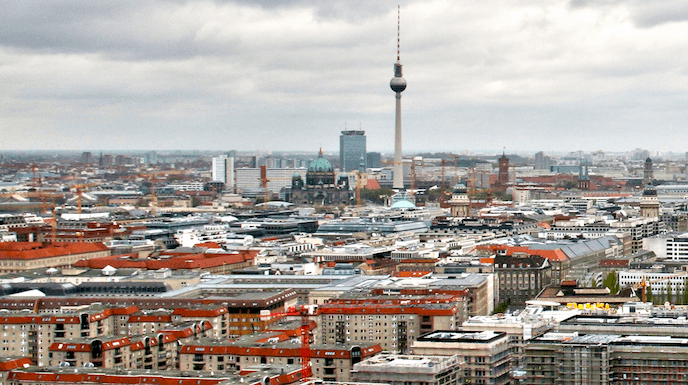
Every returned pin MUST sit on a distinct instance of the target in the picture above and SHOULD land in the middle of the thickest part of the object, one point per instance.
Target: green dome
(460, 188)
(320, 164)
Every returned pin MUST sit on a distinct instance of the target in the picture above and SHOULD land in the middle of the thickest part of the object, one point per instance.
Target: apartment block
(256, 375)
(392, 326)
(486, 354)
(328, 361)
(569, 358)
(395, 369)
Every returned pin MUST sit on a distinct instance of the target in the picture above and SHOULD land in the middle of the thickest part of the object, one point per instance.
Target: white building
(659, 281)
(249, 178)
(220, 234)
(223, 171)
(668, 246)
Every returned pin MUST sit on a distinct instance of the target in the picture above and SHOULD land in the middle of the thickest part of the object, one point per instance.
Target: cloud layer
(289, 75)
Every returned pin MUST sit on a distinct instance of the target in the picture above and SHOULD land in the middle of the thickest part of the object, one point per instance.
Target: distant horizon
(332, 152)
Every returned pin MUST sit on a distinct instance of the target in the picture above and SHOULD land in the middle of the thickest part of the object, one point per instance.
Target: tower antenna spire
(398, 84)
(398, 30)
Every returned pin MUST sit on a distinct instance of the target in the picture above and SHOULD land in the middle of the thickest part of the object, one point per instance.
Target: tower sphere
(398, 84)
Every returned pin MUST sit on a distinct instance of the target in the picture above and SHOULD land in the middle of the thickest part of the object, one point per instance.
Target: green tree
(648, 294)
(612, 282)
(502, 307)
(685, 292)
(670, 292)
(376, 196)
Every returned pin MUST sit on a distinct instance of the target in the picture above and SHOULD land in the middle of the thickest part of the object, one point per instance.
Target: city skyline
(291, 75)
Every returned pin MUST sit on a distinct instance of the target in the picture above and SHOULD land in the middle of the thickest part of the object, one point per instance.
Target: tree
(502, 307)
(648, 293)
(685, 292)
(612, 282)
(376, 196)
(670, 292)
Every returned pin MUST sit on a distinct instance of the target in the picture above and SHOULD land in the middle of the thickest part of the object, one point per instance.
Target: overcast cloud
(290, 75)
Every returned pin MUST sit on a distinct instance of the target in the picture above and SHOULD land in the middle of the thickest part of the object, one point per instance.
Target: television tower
(398, 84)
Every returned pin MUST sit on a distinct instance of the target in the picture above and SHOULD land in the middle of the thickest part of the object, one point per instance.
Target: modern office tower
(86, 158)
(223, 171)
(352, 146)
(398, 84)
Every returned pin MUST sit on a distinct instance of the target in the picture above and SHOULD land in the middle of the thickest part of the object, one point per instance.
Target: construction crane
(644, 284)
(152, 178)
(79, 191)
(456, 168)
(303, 312)
(413, 173)
(442, 196)
(264, 182)
(358, 189)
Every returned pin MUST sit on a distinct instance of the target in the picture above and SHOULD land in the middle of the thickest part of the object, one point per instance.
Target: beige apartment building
(393, 326)
(328, 361)
(485, 354)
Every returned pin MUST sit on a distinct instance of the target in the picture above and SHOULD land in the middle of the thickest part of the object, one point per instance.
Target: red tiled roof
(174, 262)
(13, 364)
(214, 312)
(614, 263)
(210, 245)
(406, 274)
(38, 320)
(372, 184)
(274, 352)
(552, 255)
(384, 309)
(426, 261)
(37, 250)
(81, 347)
(101, 378)
(150, 318)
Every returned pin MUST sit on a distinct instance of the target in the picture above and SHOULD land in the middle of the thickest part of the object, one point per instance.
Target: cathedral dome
(460, 188)
(320, 165)
(649, 191)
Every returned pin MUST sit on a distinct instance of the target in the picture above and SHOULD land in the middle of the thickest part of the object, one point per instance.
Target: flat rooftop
(458, 336)
(399, 364)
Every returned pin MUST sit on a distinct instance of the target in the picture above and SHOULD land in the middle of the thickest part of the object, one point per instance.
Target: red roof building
(206, 262)
(20, 256)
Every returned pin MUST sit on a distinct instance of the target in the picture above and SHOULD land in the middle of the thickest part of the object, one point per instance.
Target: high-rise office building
(223, 171)
(352, 150)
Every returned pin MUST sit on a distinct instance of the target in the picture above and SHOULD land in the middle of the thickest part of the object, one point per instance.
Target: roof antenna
(398, 29)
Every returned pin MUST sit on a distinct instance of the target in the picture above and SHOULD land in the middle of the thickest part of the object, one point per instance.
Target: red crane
(303, 312)
(264, 182)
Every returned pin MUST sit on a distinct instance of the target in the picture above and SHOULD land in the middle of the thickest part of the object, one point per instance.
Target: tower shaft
(398, 165)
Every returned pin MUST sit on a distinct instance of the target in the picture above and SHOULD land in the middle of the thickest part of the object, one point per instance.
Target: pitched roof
(550, 254)
(174, 262)
(615, 263)
(37, 250)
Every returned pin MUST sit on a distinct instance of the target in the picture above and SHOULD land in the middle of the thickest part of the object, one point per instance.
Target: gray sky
(289, 75)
